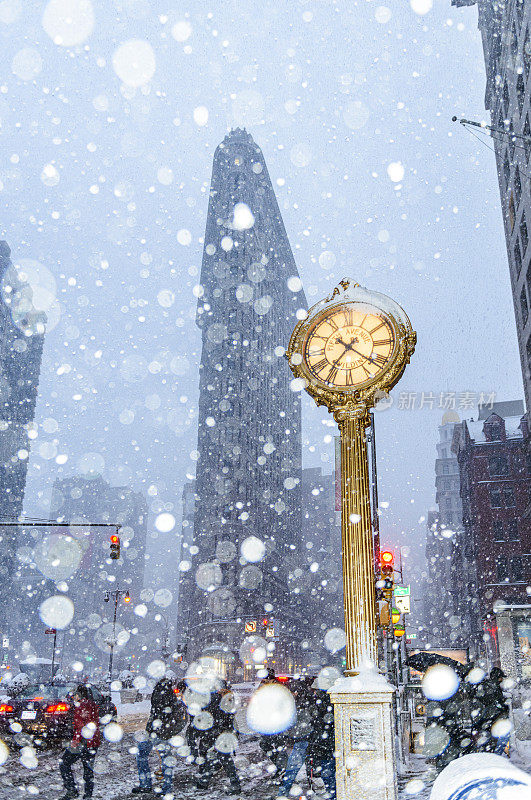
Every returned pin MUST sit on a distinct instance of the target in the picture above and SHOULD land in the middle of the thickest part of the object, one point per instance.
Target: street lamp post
(349, 350)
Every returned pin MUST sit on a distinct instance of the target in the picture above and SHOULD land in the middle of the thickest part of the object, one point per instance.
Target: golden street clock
(351, 345)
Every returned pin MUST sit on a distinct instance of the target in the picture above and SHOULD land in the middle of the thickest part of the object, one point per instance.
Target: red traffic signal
(127, 597)
(115, 546)
(387, 558)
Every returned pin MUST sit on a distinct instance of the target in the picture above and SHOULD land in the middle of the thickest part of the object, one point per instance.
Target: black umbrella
(422, 660)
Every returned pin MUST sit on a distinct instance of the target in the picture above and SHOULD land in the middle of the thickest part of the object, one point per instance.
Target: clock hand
(367, 358)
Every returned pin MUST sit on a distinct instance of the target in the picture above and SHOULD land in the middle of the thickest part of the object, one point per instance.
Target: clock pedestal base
(365, 748)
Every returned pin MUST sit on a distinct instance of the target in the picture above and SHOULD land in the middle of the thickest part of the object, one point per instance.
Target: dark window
(517, 571)
(495, 497)
(505, 100)
(498, 531)
(498, 465)
(528, 348)
(520, 10)
(517, 258)
(523, 233)
(512, 212)
(517, 185)
(446, 469)
(527, 132)
(528, 455)
(508, 496)
(527, 54)
(523, 305)
(512, 527)
(520, 93)
(507, 170)
(501, 568)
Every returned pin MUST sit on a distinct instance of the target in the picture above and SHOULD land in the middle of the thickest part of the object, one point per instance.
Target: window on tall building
(523, 305)
(517, 186)
(505, 96)
(501, 569)
(498, 465)
(526, 53)
(506, 169)
(519, 10)
(517, 571)
(512, 211)
(527, 132)
(517, 258)
(512, 528)
(498, 531)
(508, 496)
(523, 233)
(520, 93)
(446, 469)
(495, 497)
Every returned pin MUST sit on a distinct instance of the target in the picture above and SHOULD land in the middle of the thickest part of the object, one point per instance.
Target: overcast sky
(105, 168)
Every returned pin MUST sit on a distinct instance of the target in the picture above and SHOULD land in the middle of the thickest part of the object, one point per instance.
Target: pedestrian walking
(86, 738)
(167, 718)
(300, 732)
(321, 743)
(213, 741)
(275, 745)
(492, 709)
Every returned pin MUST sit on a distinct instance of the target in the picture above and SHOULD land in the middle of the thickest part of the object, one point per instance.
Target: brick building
(495, 486)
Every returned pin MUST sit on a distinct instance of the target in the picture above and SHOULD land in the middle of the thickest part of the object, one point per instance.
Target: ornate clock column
(351, 346)
(356, 540)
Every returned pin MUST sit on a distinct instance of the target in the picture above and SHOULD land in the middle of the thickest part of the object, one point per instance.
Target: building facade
(248, 481)
(495, 485)
(505, 28)
(76, 561)
(450, 599)
(21, 341)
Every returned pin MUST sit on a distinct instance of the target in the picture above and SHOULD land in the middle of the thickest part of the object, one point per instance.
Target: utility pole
(116, 597)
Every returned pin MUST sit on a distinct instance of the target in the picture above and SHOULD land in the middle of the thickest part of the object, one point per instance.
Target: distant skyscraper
(248, 480)
(447, 604)
(21, 342)
(506, 34)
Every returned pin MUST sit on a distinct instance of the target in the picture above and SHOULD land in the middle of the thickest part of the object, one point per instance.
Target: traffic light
(127, 597)
(115, 547)
(386, 571)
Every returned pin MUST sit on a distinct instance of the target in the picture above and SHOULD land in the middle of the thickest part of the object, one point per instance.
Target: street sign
(403, 604)
(411, 636)
(402, 591)
(51, 630)
(250, 627)
(5, 641)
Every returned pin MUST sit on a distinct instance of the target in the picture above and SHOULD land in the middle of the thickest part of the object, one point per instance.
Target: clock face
(349, 346)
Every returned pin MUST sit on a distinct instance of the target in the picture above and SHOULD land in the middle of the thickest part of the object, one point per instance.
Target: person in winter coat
(212, 739)
(300, 732)
(86, 738)
(167, 719)
(492, 707)
(321, 743)
(275, 745)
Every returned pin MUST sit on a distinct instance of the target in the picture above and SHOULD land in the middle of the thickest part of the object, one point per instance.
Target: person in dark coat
(168, 718)
(275, 745)
(491, 708)
(86, 738)
(321, 742)
(212, 739)
(300, 732)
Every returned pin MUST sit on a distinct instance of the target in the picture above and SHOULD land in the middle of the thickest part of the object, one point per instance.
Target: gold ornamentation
(373, 369)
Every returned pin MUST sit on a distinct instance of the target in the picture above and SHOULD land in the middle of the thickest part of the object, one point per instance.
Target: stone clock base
(365, 748)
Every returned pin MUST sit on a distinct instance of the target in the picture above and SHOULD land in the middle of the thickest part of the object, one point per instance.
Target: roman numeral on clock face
(381, 342)
(332, 375)
(320, 364)
(380, 360)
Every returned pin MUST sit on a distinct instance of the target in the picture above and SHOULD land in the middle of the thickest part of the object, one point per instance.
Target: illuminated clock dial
(349, 346)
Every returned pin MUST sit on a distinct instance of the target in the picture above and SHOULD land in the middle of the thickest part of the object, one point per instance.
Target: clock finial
(344, 286)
